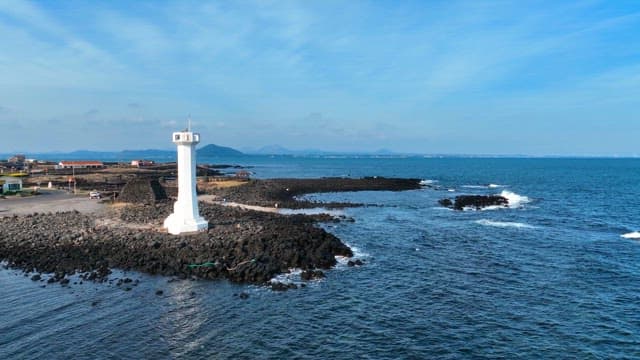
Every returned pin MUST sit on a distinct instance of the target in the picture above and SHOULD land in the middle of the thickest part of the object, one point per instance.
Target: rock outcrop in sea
(474, 201)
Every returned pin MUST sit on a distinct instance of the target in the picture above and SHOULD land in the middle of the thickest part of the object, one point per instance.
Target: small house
(10, 184)
(142, 163)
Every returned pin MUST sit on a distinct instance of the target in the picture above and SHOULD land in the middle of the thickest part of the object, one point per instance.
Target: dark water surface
(550, 278)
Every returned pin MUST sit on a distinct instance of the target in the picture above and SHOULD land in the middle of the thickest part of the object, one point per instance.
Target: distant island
(210, 150)
(213, 150)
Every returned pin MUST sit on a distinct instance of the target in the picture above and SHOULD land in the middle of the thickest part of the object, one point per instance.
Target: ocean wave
(515, 200)
(488, 186)
(504, 224)
(358, 254)
(631, 235)
(427, 182)
(291, 277)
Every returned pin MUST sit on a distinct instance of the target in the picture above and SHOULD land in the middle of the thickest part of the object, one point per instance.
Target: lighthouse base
(176, 224)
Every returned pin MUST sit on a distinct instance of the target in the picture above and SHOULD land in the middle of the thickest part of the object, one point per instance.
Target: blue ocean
(555, 275)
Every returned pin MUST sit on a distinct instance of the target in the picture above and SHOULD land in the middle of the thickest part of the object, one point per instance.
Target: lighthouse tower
(186, 217)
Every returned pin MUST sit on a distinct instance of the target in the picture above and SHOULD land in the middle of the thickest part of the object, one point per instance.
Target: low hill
(215, 150)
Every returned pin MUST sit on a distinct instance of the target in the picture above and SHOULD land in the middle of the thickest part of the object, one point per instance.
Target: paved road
(49, 201)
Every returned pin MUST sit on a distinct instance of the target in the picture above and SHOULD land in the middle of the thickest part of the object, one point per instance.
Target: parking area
(49, 201)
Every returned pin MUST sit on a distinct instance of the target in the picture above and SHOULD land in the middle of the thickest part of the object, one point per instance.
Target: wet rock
(474, 201)
(311, 275)
(244, 295)
(445, 202)
(159, 292)
(64, 281)
(36, 277)
(278, 286)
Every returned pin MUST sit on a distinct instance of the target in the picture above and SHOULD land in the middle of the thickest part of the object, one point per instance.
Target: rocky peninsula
(240, 245)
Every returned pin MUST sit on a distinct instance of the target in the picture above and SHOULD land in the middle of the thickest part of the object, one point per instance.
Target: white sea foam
(287, 278)
(504, 224)
(451, 190)
(427, 182)
(515, 200)
(357, 254)
(631, 235)
(489, 186)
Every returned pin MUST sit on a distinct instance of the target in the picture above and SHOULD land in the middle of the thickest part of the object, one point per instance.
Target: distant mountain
(215, 150)
(272, 150)
(210, 150)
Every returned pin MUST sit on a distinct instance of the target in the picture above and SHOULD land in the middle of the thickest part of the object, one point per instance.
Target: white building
(186, 216)
(10, 184)
(142, 163)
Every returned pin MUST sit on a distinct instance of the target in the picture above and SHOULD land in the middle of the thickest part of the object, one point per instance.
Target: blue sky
(477, 77)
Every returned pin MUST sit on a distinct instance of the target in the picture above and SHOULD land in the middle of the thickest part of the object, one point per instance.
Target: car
(95, 195)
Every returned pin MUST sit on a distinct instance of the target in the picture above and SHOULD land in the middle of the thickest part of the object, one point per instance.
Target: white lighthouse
(186, 217)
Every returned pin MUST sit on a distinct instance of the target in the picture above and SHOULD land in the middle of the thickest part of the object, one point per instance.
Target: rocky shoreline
(241, 245)
(284, 192)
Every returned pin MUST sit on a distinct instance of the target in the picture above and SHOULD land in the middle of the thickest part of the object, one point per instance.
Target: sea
(556, 275)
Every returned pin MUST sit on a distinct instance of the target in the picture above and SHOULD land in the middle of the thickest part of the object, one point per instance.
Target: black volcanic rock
(311, 275)
(445, 202)
(142, 190)
(474, 201)
(241, 245)
(284, 191)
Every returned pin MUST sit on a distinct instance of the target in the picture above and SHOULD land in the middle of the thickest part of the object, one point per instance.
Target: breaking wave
(631, 235)
(504, 224)
(489, 186)
(515, 200)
